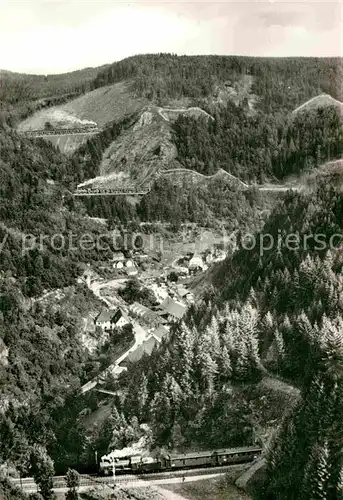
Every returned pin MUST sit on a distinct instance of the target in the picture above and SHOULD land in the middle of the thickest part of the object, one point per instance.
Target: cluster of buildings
(120, 262)
(193, 263)
(153, 340)
(172, 294)
(156, 321)
(165, 313)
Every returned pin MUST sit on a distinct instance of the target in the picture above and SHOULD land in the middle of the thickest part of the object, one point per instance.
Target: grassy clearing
(102, 106)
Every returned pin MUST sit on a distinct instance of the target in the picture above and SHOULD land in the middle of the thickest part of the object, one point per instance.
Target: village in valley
(143, 294)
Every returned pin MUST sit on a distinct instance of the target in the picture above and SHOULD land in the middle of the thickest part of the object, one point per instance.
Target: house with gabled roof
(171, 310)
(113, 318)
(146, 314)
(145, 348)
(160, 333)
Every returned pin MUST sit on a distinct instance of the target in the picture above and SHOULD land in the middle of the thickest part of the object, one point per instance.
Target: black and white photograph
(171, 250)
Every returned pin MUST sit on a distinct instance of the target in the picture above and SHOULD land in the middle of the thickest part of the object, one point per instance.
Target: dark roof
(194, 454)
(206, 453)
(123, 314)
(239, 450)
(105, 316)
(173, 308)
(145, 312)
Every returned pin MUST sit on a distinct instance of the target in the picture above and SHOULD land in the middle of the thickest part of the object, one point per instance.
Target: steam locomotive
(141, 464)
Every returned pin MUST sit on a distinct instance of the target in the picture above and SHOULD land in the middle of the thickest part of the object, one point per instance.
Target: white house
(120, 318)
(196, 262)
(118, 265)
(103, 320)
(115, 318)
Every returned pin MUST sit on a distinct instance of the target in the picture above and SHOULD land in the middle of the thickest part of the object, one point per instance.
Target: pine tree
(242, 364)
(42, 469)
(142, 396)
(280, 345)
(209, 370)
(161, 415)
(225, 366)
(316, 474)
(73, 482)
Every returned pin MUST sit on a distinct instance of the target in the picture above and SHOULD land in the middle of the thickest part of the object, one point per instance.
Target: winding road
(140, 335)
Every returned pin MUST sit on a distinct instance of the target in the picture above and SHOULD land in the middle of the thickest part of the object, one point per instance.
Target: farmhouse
(103, 320)
(160, 332)
(171, 310)
(146, 314)
(107, 320)
(145, 348)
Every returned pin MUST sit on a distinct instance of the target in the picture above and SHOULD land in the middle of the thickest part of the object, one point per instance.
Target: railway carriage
(210, 458)
(236, 455)
(195, 459)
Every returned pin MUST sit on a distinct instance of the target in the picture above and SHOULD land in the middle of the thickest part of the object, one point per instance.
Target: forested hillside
(282, 84)
(299, 293)
(43, 359)
(254, 134)
(276, 314)
(22, 95)
(257, 139)
(259, 147)
(271, 315)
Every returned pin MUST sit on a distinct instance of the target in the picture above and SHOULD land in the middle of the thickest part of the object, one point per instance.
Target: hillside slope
(102, 106)
(144, 151)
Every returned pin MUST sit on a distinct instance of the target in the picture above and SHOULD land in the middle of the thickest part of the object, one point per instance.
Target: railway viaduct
(59, 131)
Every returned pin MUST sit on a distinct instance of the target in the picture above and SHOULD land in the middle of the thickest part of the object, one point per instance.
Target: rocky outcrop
(253, 476)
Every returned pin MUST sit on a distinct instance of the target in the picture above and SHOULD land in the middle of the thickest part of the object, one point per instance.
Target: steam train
(141, 464)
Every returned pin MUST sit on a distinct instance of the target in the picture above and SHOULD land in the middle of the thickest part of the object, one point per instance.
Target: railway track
(277, 188)
(89, 481)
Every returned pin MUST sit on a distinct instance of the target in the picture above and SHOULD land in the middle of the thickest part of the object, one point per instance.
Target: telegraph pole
(114, 473)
